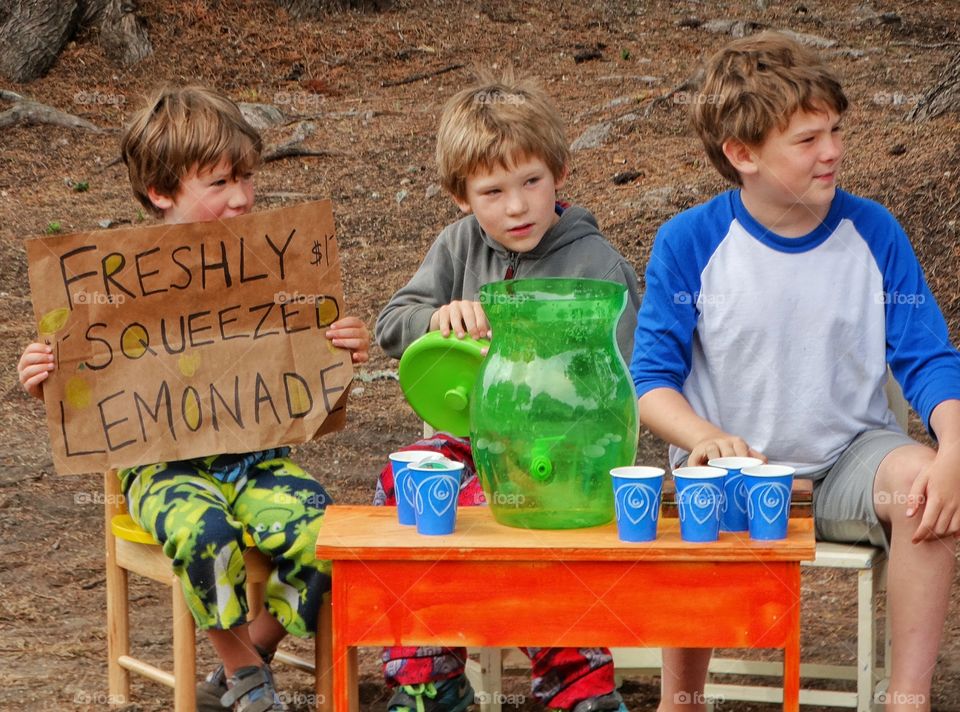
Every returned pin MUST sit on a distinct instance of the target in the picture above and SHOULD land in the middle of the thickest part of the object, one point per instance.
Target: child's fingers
(917, 495)
(347, 322)
(347, 334)
(32, 380)
(481, 326)
(30, 358)
(351, 344)
(464, 321)
(31, 374)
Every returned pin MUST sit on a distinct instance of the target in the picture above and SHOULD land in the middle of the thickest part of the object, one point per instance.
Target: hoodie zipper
(512, 264)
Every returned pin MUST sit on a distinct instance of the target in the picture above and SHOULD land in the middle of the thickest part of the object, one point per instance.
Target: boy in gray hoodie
(502, 155)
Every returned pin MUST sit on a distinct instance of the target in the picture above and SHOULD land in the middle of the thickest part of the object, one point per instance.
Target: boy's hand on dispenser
(461, 317)
(351, 333)
(722, 445)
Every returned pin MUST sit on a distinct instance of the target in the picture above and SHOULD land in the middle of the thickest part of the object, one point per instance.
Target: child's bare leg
(919, 577)
(683, 679)
(266, 631)
(235, 648)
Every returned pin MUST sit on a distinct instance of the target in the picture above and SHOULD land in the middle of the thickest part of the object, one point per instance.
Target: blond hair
(498, 122)
(756, 84)
(180, 129)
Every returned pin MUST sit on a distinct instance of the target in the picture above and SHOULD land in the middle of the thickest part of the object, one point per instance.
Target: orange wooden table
(488, 585)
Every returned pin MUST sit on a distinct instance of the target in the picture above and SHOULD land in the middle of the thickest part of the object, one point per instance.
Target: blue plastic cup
(734, 515)
(436, 486)
(699, 502)
(403, 484)
(636, 497)
(768, 500)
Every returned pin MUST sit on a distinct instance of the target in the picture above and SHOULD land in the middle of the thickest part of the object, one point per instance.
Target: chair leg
(118, 611)
(491, 677)
(184, 653)
(866, 640)
(118, 628)
(323, 676)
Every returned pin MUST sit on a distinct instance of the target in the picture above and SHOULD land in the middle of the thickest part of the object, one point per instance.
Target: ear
(161, 202)
(462, 204)
(741, 156)
(558, 182)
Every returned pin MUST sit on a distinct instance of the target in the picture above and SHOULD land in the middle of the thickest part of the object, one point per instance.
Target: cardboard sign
(179, 341)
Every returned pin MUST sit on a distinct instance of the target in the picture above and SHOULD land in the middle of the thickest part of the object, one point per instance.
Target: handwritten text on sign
(190, 340)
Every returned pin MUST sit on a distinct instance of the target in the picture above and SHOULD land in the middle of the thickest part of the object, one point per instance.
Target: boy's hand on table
(352, 334)
(35, 365)
(936, 493)
(721, 445)
(461, 318)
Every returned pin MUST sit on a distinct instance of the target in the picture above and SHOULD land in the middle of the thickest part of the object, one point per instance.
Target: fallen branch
(921, 45)
(364, 114)
(32, 113)
(422, 75)
(691, 83)
(287, 151)
(293, 147)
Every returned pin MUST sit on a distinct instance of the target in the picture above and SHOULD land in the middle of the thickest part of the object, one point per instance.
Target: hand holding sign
(189, 340)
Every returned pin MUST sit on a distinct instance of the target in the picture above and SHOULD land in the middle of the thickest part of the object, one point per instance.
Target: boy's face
(795, 169)
(207, 194)
(514, 206)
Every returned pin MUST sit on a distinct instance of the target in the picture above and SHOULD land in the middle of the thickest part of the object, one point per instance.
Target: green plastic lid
(436, 377)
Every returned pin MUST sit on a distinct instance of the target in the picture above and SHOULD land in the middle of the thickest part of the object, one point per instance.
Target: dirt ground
(382, 181)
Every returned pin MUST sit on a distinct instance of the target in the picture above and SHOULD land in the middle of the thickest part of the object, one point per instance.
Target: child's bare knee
(897, 475)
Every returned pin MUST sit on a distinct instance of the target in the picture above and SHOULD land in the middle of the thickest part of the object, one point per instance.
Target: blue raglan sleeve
(919, 352)
(663, 343)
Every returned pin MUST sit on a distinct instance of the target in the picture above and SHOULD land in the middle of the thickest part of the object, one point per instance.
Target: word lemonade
(195, 347)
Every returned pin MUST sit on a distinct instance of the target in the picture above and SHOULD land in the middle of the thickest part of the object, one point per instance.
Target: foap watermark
(482, 697)
(911, 699)
(687, 98)
(683, 297)
(899, 498)
(886, 98)
(508, 499)
(696, 698)
(302, 101)
(97, 98)
(98, 699)
(99, 298)
(913, 299)
(499, 298)
(298, 298)
(499, 97)
(99, 498)
(301, 700)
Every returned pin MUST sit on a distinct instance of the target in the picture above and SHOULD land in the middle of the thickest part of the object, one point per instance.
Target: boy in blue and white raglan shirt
(770, 317)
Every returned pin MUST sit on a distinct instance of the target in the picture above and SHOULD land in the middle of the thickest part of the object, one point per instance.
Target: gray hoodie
(464, 258)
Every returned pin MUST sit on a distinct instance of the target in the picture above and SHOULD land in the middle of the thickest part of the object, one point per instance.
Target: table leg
(791, 653)
(345, 692)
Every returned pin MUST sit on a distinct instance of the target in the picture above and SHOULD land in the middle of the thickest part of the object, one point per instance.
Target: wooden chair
(131, 549)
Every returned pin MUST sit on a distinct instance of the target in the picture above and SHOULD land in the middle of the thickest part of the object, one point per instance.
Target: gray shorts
(843, 496)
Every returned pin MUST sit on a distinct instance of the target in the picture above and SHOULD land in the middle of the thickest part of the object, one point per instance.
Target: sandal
(251, 689)
(214, 686)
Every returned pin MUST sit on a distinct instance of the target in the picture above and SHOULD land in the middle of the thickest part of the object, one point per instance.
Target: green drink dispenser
(551, 408)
